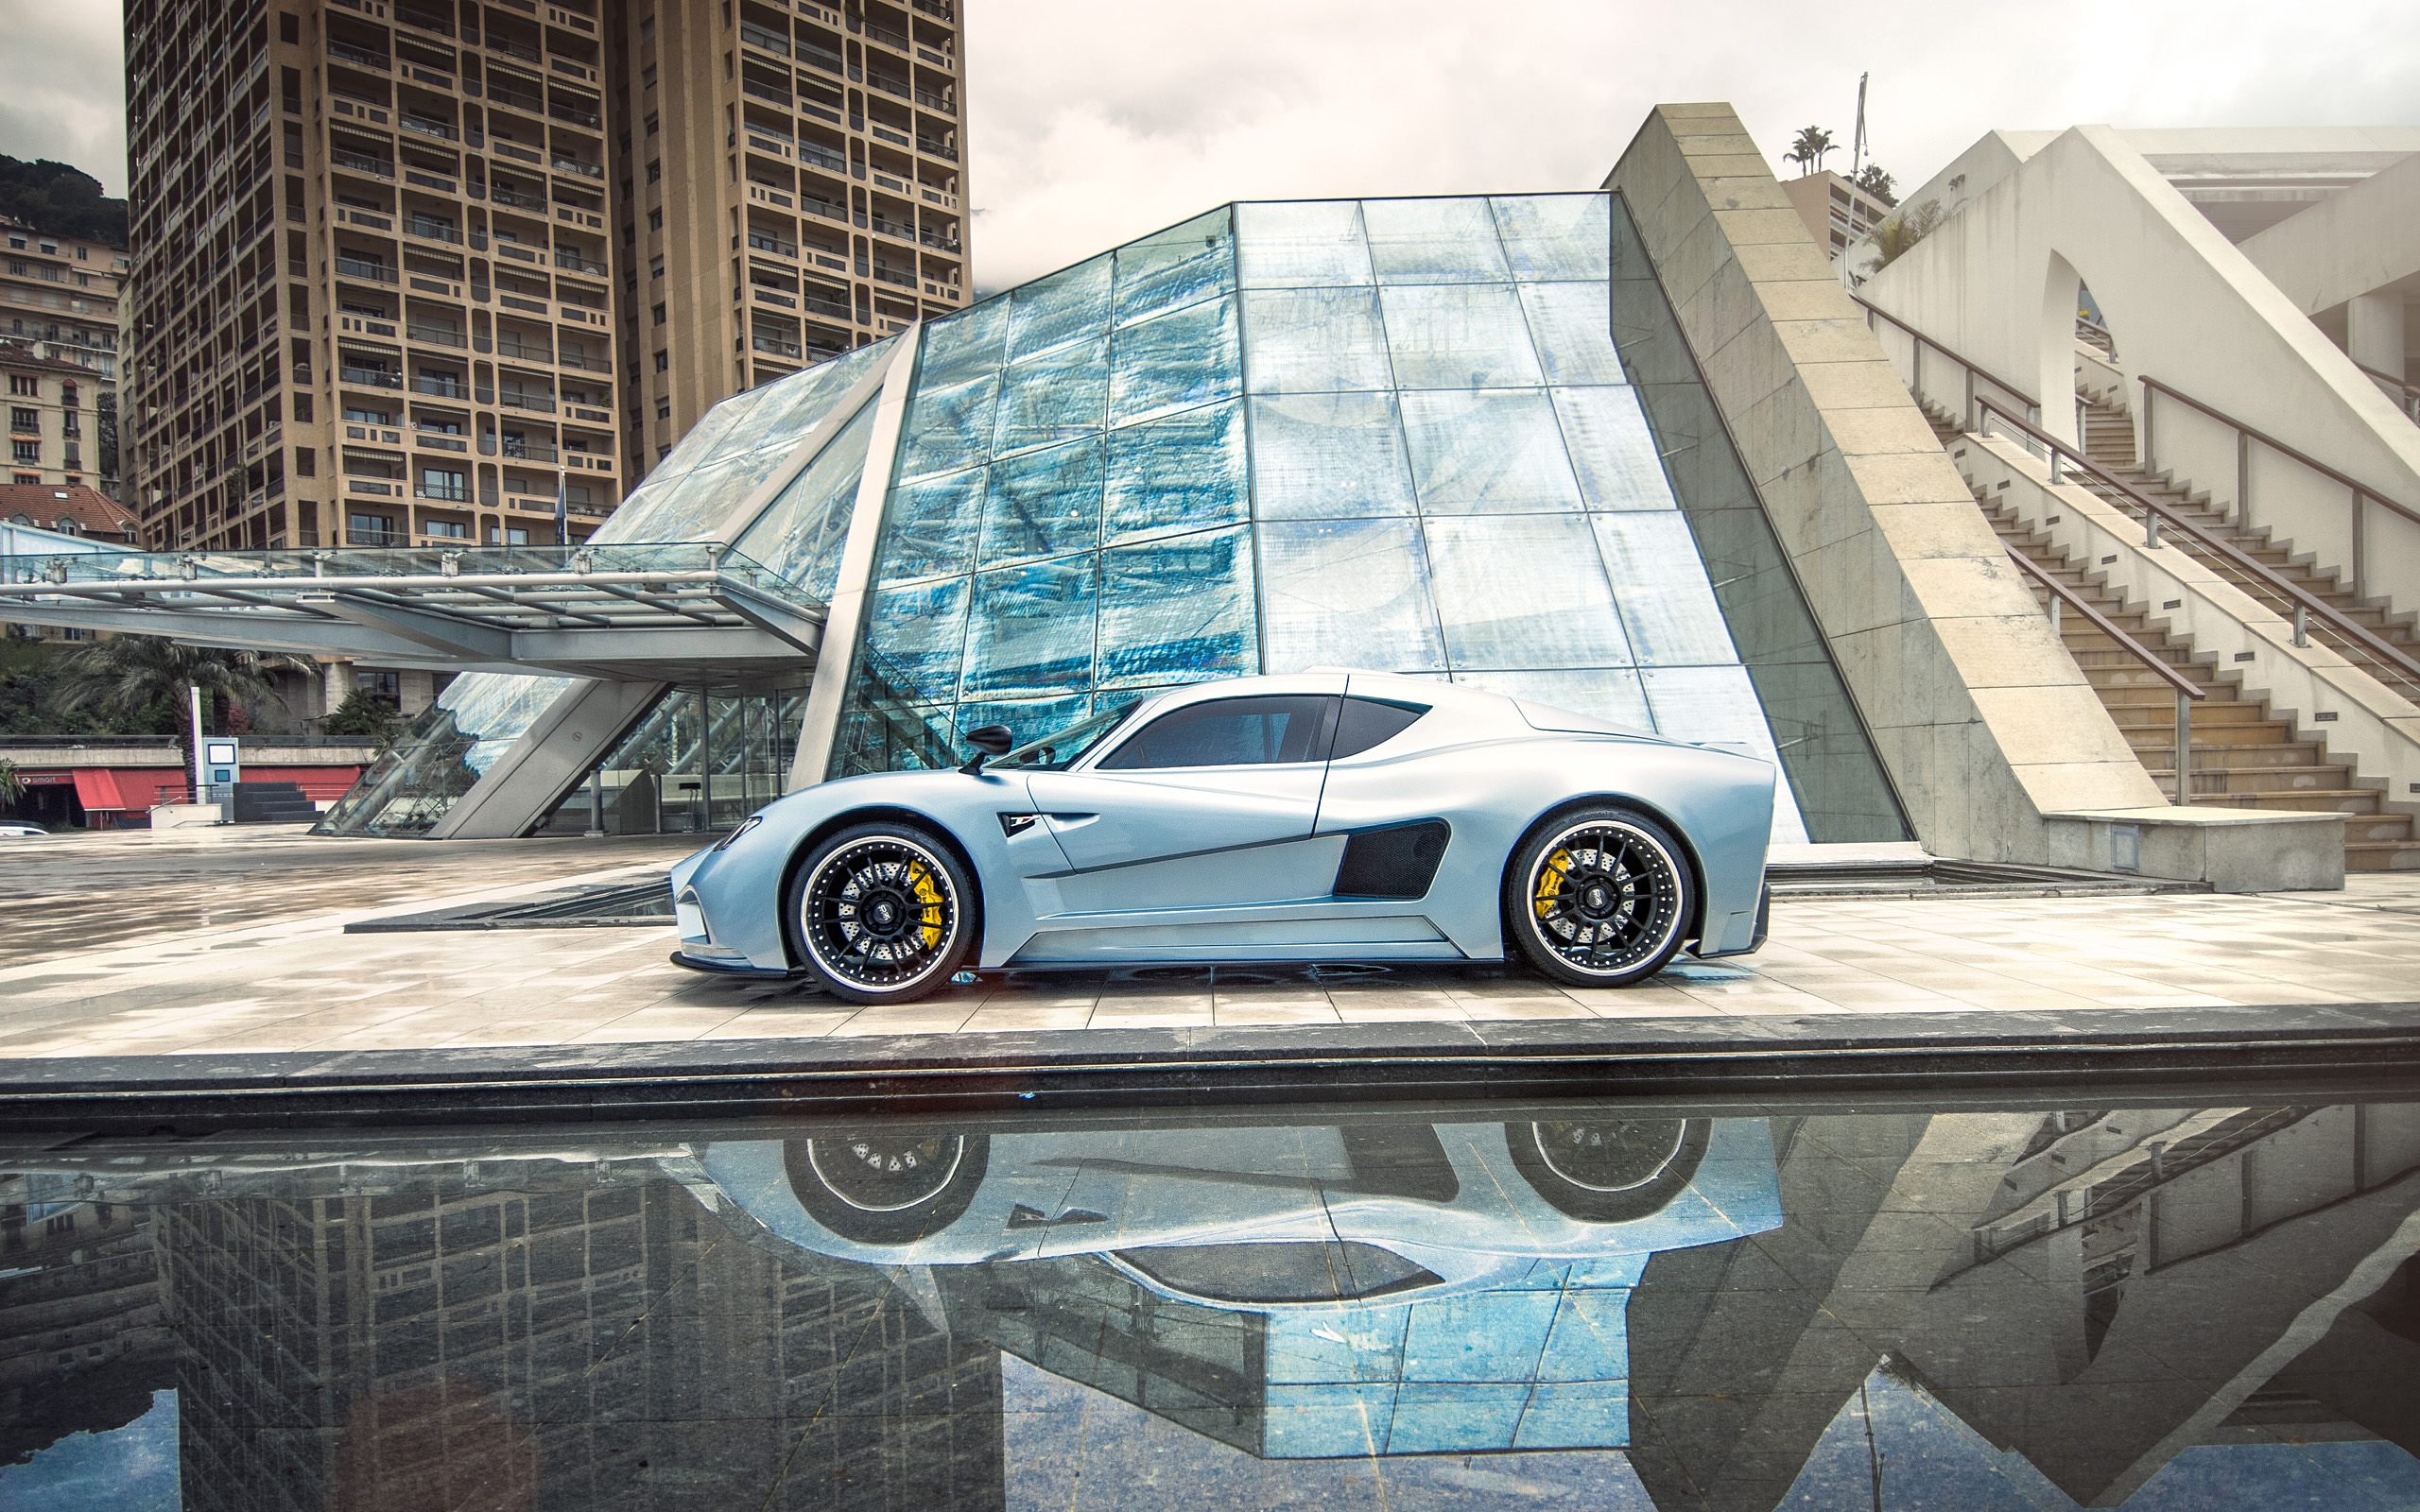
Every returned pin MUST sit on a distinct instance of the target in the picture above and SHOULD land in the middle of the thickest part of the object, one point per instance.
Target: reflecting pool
(2211, 1302)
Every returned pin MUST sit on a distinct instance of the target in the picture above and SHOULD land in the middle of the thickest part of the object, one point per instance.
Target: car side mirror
(990, 740)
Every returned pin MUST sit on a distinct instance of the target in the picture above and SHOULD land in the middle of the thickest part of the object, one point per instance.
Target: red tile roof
(87, 511)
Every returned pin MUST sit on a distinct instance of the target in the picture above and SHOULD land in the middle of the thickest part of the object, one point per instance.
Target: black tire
(882, 913)
(1598, 897)
(1608, 1169)
(886, 1186)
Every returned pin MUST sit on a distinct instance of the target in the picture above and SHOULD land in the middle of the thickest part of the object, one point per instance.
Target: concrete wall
(1998, 280)
(1981, 717)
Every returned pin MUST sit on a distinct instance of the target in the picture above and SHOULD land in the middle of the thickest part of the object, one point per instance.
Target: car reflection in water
(1396, 1288)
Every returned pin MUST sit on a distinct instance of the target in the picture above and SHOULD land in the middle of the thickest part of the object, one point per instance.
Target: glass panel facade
(797, 536)
(701, 759)
(1447, 465)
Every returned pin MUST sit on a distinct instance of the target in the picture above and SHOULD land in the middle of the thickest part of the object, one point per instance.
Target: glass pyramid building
(1451, 437)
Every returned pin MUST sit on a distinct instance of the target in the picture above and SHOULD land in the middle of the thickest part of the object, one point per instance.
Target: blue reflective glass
(1177, 609)
(1555, 236)
(920, 632)
(702, 502)
(1458, 337)
(801, 533)
(1030, 631)
(1433, 241)
(1347, 592)
(1066, 306)
(1522, 592)
(1183, 471)
(1052, 398)
(948, 427)
(1176, 267)
(1438, 1416)
(1174, 361)
(1661, 585)
(1027, 718)
(1328, 457)
(1042, 503)
(798, 403)
(1612, 450)
(1572, 324)
(1315, 340)
(1488, 453)
(929, 529)
(960, 346)
(1306, 243)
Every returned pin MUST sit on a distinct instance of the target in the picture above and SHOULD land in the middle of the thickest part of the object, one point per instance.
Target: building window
(655, 265)
(387, 687)
(369, 529)
(438, 483)
(448, 530)
(664, 410)
(657, 312)
(651, 125)
(27, 387)
(656, 220)
(509, 536)
(29, 454)
(29, 421)
(663, 364)
(646, 80)
(655, 171)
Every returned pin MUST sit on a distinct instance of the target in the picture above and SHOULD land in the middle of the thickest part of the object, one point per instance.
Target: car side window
(1232, 732)
(1370, 722)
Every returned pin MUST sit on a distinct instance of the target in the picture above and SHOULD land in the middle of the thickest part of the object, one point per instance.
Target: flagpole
(1857, 148)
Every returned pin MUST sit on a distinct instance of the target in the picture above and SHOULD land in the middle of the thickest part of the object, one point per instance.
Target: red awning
(96, 789)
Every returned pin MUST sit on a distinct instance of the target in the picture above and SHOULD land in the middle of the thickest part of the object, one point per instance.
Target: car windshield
(1059, 752)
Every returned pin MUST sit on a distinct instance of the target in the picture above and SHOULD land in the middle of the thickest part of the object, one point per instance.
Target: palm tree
(126, 673)
(1808, 148)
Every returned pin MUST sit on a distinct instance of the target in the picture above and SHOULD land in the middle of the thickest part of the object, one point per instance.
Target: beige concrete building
(793, 187)
(63, 290)
(376, 247)
(58, 412)
(369, 274)
(1837, 212)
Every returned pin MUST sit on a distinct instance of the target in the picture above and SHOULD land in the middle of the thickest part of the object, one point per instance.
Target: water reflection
(2184, 1306)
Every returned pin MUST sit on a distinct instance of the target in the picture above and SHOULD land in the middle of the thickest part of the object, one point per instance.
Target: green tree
(62, 199)
(105, 432)
(1903, 230)
(126, 674)
(1808, 148)
(1875, 181)
(12, 786)
(364, 714)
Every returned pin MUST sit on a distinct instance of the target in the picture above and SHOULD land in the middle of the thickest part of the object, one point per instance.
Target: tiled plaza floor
(280, 974)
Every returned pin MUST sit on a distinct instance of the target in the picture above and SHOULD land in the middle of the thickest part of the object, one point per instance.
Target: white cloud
(63, 85)
(1094, 121)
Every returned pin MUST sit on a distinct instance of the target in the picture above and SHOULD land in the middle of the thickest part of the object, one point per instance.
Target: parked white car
(22, 829)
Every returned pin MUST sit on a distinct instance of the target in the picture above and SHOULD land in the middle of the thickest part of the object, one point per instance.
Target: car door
(1208, 804)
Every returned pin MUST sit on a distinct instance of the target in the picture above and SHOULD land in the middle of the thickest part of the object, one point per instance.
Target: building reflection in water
(819, 1321)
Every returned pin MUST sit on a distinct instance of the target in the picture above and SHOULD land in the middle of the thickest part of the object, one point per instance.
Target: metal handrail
(2411, 391)
(2246, 434)
(2306, 603)
(1973, 370)
(2188, 691)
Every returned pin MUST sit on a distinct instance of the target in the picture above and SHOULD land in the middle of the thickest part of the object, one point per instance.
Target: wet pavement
(281, 976)
(2205, 1300)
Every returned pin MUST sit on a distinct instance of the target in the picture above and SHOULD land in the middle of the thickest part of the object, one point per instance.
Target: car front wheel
(882, 913)
(1598, 897)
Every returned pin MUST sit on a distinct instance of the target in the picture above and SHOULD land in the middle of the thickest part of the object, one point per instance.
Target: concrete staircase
(273, 803)
(2242, 757)
(2109, 439)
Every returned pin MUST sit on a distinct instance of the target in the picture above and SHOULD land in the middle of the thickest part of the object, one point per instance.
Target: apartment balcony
(437, 441)
(443, 336)
(759, 36)
(760, 241)
(939, 149)
(422, 124)
(367, 272)
(523, 350)
(424, 19)
(573, 166)
(533, 404)
(575, 263)
(931, 101)
(778, 346)
(440, 387)
(529, 199)
(755, 89)
(371, 378)
(508, 47)
(361, 163)
(358, 56)
(441, 494)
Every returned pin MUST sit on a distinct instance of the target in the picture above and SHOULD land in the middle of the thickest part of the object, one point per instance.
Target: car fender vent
(1399, 861)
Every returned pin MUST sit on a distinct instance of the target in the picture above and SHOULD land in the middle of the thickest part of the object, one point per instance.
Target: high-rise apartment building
(372, 292)
(792, 186)
(62, 291)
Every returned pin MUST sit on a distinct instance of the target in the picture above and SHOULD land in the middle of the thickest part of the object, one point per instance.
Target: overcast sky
(1094, 121)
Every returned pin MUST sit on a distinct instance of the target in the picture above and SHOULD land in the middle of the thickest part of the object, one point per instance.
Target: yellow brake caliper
(930, 897)
(1550, 883)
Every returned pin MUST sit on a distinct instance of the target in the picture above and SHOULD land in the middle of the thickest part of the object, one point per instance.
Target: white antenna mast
(1857, 147)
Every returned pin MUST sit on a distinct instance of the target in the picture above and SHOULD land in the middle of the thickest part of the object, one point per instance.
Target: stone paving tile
(288, 980)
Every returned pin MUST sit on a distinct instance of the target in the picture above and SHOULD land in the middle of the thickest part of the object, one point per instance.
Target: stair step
(2359, 856)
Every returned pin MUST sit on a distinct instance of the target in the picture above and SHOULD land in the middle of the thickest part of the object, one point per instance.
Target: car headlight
(745, 825)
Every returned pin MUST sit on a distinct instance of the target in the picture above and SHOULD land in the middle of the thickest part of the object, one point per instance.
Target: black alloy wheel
(1608, 1169)
(886, 1186)
(882, 913)
(1598, 897)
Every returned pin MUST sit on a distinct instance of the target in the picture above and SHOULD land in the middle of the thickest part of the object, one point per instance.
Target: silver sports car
(1315, 816)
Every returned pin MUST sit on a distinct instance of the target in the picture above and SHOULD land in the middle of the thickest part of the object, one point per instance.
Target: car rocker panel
(1396, 846)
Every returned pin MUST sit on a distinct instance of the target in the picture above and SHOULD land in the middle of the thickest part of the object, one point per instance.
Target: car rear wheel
(1608, 1169)
(886, 1186)
(1598, 897)
(882, 913)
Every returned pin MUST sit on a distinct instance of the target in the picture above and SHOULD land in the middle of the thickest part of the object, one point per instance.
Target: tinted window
(1231, 733)
(1368, 722)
